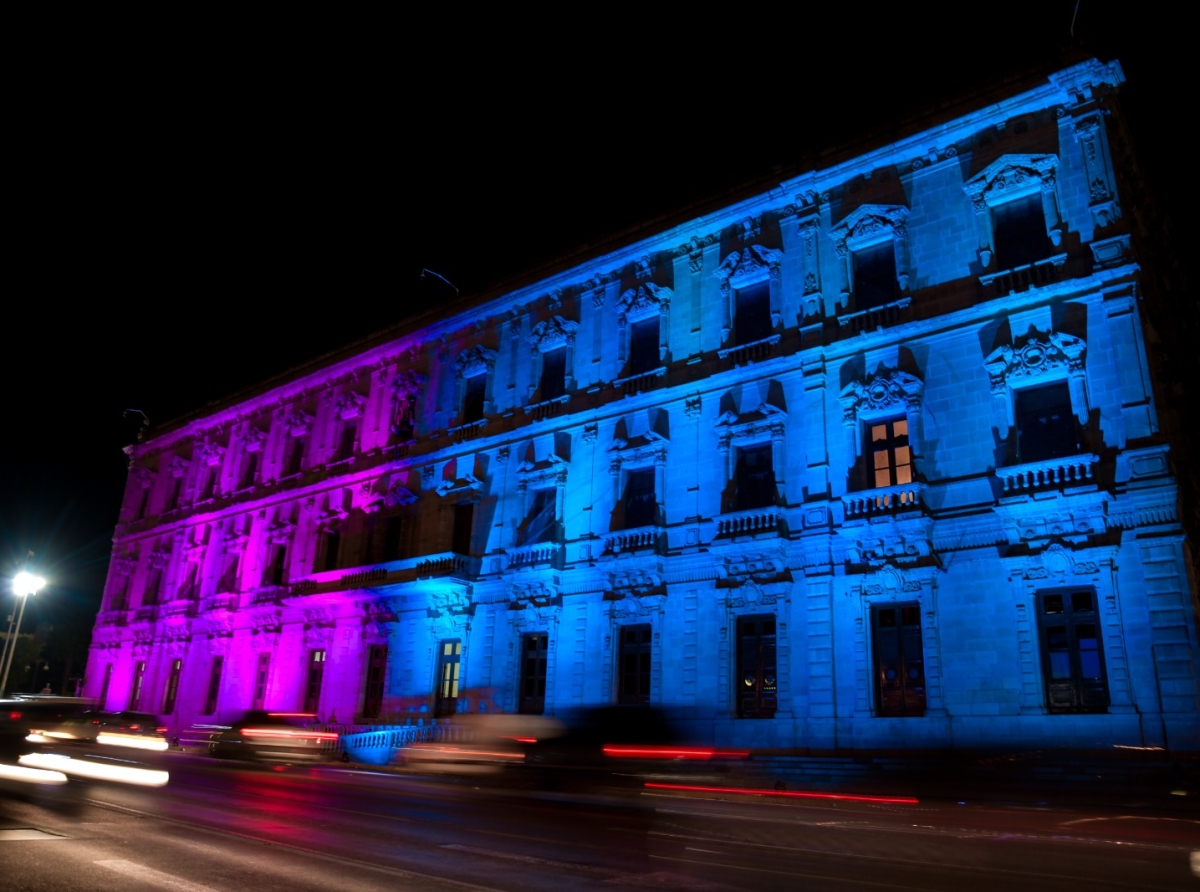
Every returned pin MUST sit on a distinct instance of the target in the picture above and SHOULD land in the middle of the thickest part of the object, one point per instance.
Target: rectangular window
(312, 687)
(476, 389)
(172, 689)
(135, 688)
(153, 582)
(261, 674)
(643, 346)
(899, 660)
(143, 501)
(540, 523)
(346, 443)
(554, 373)
(327, 555)
(121, 598)
(464, 519)
(187, 587)
(752, 313)
(276, 571)
(395, 539)
(635, 664)
(755, 477)
(295, 458)
(210, 484)
(533, 673)
(1072, 654)
(376, 675)
(1019, 232)
(890, 453)
(102, 701)
(214, 686)
(449, 662)
(1045, 423)
(249, 471)
(228, 581)
(875, 276)
(176, 492)
(757, 684)
(639, 502)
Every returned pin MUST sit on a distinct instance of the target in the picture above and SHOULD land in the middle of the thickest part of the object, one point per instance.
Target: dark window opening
(875, 276)
(187, 587)
(327, 556)
(172, 690)
(1072, 653)
(639, 502)
(103, 701)
(210, 485)
(143, 501)
(1045, 424)
(643, 346)
(395, 538)
(277, 569)
(533, 674)
(891, 457)
(249, 471)
(176, 492)
(1019, 232)
(406, 420)
(346, 443)
(899, 660)
(464, 520)
(554, 373)
(228, 580)
(153, 583)
(376, 674)
(541, 523)
(135, 688)
(449, 664)
(295, 459)
(260, 679)
(635, 664)
(757, 680)
(755, 480)
(121, 598)
(214, 686)
(316, 674)
(476, 388)
(752, 314)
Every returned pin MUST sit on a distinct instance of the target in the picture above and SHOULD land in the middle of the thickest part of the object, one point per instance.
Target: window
(153, 583)
(757, 694)
(643, 345)
(449, 661)
(1072, 655)
(143, 501)
(533, 674)
(316, 674)
(891, 458)
(554, 373)
(276, 571)
(260, 679)
(464, 520)
(473, 397)
(376, 674)
(121, 598)
(214, 686)
(187, 587)
(752, 315)
(635, 664)
(1045, 423)
(210, 484)
(228, 581)
(755, 477)
(295, 457)
(639, 502)
(395, 538)
(327, 553)
(346, 443)
(541, 522)
(249, 471)
(875, 275)
(102, 702)
(175, 493)
(172, 690)
(1019, 231)
(135, 687)
(899, 660)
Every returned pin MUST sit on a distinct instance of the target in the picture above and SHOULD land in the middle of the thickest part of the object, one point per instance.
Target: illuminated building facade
(872, 460)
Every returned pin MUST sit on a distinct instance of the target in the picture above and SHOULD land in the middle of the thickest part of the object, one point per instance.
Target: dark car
(135, 730)
(22, 716)
(273, 737)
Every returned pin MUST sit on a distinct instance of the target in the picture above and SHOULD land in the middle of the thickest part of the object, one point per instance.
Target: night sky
(198, 217)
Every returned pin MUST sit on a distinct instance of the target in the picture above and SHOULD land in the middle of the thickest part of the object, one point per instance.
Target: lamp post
(24, 585)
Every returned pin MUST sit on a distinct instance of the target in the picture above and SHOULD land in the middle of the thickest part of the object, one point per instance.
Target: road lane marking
(153, 877)
(27, 833)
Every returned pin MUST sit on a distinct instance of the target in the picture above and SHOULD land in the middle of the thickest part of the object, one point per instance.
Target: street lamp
(24, 585)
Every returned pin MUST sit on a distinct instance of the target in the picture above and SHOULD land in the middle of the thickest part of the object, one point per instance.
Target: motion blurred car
(21, 716)
(136, 730)
(478, 744)
(273, 737)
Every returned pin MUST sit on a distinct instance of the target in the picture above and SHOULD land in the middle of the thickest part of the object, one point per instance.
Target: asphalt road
(229, 827)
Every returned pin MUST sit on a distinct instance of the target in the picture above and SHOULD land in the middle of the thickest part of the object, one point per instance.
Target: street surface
(230, 827)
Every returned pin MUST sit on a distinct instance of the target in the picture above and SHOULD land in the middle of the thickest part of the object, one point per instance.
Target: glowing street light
(24, 584)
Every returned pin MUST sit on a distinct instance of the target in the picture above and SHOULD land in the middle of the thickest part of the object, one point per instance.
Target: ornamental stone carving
(253, 439)
(1037, 357)
(297, 423)
(694, 251)
(889, 391)
(178, 466)
(552, 333)
(349, 405)
(406, 386)
(475, 360)
(210, 453)
(644, 300)
(749, 265)
(870, 223)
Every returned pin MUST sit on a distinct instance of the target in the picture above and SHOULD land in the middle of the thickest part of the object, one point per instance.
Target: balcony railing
(873, 318)
(534, 554)
(1022, 278)
(547, 408)
(180, 608)
(884, 500)
(468, 431)
(638, 539)
(112, 618)
(756, 522)
(223, 601)
(755, 351)
(145, 614)
(268, 594)
(1072, 470)
(635, 384)
(448, 564)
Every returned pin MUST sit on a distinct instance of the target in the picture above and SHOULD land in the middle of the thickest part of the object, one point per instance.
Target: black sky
(199, 216)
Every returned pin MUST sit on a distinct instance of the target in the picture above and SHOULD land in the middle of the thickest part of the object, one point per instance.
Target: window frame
(448, 680)
(916, 705)
(1012, 178)
(643, 673)
(1098, 699)
(762, 701)
(534, 702)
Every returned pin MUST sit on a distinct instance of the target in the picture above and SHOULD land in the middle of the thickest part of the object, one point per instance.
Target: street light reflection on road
(142, 777)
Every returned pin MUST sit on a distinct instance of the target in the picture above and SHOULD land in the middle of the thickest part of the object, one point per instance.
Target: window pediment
(766, 420)
(253, 439)
(297, 423)
(476, 360)
(554, 332)
(887, 392)
(645, 300)
(644, 448)
(467, 483)
(349, 405)
(1009, 176)
(550, 471)
(752, 264)
(868, 224)
(178, 466)
(1035, 356)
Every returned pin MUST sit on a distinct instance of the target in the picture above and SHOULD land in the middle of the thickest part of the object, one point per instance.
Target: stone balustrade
(638, 539)
(534, 554)
(757, 521)
(1071, 470)
(883, 500)
(635, 384)
(748, 354)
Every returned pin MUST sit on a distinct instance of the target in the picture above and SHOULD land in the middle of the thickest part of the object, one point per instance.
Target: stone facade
(869, 461)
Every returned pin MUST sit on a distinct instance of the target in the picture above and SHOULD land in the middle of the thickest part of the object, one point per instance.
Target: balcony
(884, 500)
(548, 408)
(634, 540)
(112, 618)
(755, 522)
(1074, 470)
(1023, 278)
(186, 607)
(468, 431)
(748, 354)
(635, 384)
(268, 594)
(448, 564)
(145, 614)
(225, 601)
(535, 554)
(873, 318)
